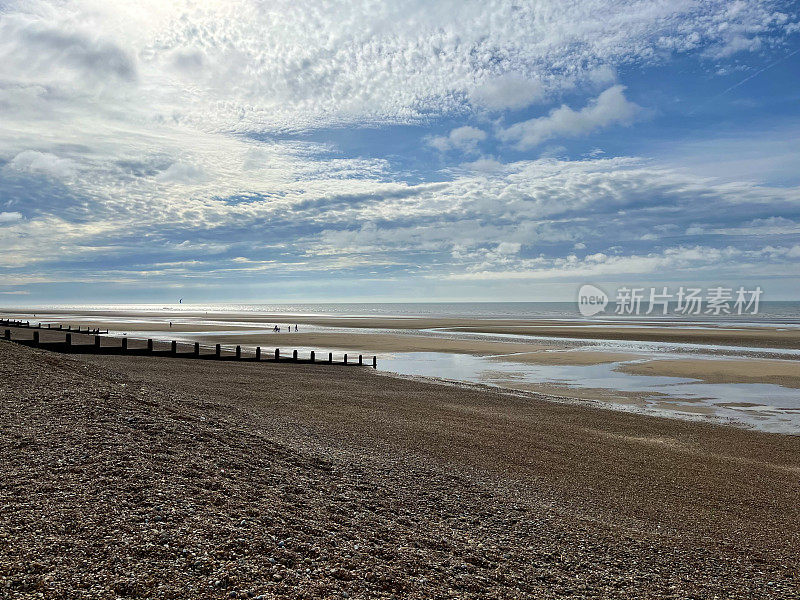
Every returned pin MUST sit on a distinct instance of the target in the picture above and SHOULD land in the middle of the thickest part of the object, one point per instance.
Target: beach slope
(154, 477)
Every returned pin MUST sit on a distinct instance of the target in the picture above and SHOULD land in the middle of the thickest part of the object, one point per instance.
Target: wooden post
(124, 344)
(345, 359)
(360, 360)
(197, 348)
(174, 348)
(218, 351)
(69, 327)
(68, 339)
(35, 338)
(277, 353)
(8, 334)
(238, 352)
(97, 342)
(258, 352)
(374, 362)
(294, 355)
(312, 356)
(149, 344)
(330, 357)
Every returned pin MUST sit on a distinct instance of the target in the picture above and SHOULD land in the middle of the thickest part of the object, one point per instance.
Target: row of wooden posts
(59, 327)
(97, 348)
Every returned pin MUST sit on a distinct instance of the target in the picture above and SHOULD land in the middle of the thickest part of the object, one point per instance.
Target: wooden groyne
(104, 344)
(50, 326)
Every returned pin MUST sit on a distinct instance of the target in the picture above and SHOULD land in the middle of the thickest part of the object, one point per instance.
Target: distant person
(170, 324)
(295, 327)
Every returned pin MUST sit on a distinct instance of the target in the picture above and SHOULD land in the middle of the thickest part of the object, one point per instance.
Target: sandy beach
(779, 372)
(138, 476)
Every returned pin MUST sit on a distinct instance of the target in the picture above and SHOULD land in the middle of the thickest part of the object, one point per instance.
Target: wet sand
(383, 343)
(785, 373)
(755, 337)
(151, 477)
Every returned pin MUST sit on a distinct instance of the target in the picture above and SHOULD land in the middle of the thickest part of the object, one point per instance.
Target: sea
(769, 312)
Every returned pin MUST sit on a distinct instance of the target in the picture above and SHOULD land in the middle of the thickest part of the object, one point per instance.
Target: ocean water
(774, 312)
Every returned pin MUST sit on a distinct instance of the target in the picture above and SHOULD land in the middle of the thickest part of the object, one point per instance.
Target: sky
(267, 151)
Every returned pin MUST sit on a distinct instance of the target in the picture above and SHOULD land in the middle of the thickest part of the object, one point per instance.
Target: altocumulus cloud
(163, 131)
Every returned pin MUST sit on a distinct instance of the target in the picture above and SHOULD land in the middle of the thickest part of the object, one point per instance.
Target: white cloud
(286, 65)
(32, 162)
(525, 221)
(609, 108)
(199, 94)
(693, 262)
(483, 164)
(51, 50)
(10, 217)
(507, 92)
(507, 248)
(734, 45)
(464, 138)
(181, 172)
(602, 76)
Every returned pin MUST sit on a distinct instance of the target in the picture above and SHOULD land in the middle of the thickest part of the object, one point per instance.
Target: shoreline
(682, 370)
(777, 372)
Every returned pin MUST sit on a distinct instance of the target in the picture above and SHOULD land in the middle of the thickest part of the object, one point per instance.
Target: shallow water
(764, 406)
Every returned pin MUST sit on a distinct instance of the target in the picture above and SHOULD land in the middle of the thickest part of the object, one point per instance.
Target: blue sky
(368, 151)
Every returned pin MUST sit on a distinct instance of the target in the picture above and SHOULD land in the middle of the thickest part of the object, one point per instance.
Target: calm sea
(769, 312)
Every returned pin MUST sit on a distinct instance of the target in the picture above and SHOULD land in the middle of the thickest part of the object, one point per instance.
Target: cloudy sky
(399, 150)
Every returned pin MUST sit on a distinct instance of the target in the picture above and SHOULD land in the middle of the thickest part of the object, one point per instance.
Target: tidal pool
(764, 406)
